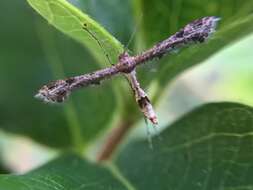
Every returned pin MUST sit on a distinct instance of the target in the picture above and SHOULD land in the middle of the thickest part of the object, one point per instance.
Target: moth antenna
(85, 27)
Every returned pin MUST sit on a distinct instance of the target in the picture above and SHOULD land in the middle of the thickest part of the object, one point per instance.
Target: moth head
(55, 92)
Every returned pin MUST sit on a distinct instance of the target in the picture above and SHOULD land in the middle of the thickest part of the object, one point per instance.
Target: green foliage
(176, 64)
(178, 13)
(79, 174)
(70, 20)
(209, 147)
(235, 23)
(44, 54)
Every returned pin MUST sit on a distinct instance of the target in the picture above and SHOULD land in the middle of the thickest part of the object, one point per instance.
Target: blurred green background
(32, 53)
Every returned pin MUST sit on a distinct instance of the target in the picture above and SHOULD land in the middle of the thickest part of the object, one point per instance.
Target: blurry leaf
(65, 173)
(70, 20)
(209, 148)
(194, 55)
(164, 17)
(33, 53)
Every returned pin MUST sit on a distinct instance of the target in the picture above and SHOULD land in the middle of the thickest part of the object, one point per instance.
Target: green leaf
(65, 173)
(70, 20)
(177, 63)
(35, 56)
(168, 16)
(110, 16)
(209, 148)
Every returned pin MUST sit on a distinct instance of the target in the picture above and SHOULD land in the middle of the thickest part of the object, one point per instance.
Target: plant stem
(113, 140)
